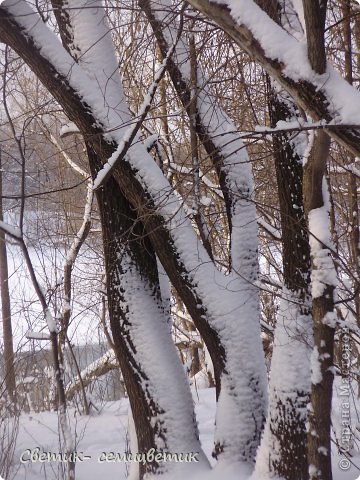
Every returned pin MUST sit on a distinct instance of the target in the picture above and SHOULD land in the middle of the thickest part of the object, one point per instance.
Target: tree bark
(142, 342)
(319, 438)
(284, 443)
(9, 360)
(323, 270)
(131, 275)
(211, 297)
(352, 179)
(221, 140)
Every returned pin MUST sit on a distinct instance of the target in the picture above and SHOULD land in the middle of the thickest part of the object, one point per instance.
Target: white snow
(130, 133)
(279, 45)
(51, 323)
(37, 335)
(107, 358)
(155, 352)
(316, 376)
(106, 432)
(289, 375)
(68, 129)
(231, 302)
(274, 232)
(11, 230)
(323, 273)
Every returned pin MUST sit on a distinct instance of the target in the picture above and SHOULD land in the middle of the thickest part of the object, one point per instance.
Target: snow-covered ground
(95, 435)
(104, 433)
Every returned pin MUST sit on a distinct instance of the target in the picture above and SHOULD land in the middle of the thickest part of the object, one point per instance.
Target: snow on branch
(37, 335)
(213, 295)
(295, 126)
(67, 158)
(285, 59)
(350, 169)
(130, 134)
(68, 129)
(83, 231)
(273, 232)
(16, 234)
(184, 170)
(13, 232)
(96, 369)
(35, 37)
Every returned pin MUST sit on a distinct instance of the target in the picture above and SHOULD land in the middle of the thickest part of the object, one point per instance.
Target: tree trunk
(354, 211)
(142, 341)
(284, 445)
(162, 410)
(323, 275)
(221, 140)
(226, 320)
(9, 361)
(283, 450)
(323, 280)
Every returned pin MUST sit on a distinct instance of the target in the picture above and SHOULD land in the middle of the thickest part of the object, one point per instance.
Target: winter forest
(179, 239)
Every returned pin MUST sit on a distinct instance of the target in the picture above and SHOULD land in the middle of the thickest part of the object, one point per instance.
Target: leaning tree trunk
(207, 293)
(163, 416)
(222, 142)
(162, 408)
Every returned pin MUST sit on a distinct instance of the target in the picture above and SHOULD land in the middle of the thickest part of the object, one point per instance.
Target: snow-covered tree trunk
(163, 416)
(323, 282)
(224, 308)
(283, 449)
(211, 297)
(284, 446)
(155, 380)
(220, 139)
(323, 274)
(354, 209)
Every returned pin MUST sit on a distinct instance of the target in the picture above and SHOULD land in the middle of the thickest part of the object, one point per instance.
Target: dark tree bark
(124, 236)
(319, 437)
(131, 275)
(156, 227)
(352, 178)
(315, 15)
(285, 431)
(9, 360)
(288, 409)
(133, 284)
(219, 137)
